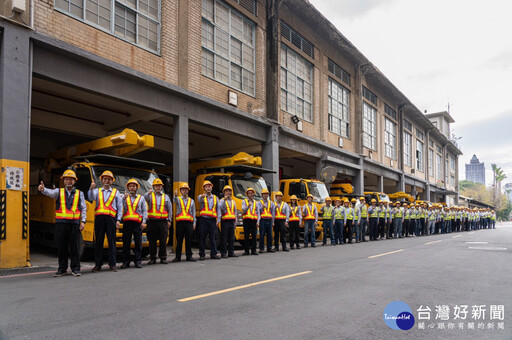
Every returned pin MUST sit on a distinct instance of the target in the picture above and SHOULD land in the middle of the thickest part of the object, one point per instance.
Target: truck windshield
(384, 198)
(319, 191)
(122, 175)
(240, 185)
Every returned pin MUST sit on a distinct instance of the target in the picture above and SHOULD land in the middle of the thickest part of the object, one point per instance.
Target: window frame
(372, 122)
(430, 162)
(331, 83)
(420, 160)
(408, 149)
(389, 150)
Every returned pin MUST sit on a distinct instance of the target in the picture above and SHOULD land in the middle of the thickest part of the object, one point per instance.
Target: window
(438, 149)
(228, 46)
(369, 95)
(369, 127)
(296, 84)
(339, 110)
(452, 181)
(452, 163)
(296, 39)
(136, 21)
(407, 149)
(430, 143)
(438, 166)
(339, 72)
(389, 111)
(390, 139)
(419, 134)
(407, 125)
(249, 5)
(419, 155)
(431, 162)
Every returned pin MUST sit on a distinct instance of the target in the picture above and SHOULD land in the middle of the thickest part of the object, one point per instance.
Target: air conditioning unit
(19, 6)
(391, 162)
(413, 171)
(340, 142)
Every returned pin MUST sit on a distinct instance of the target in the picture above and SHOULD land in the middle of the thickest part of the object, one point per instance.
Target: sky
(440, 52)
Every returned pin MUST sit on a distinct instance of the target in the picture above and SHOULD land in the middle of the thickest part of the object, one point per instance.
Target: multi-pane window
(369, 95)
(438, 149)
(407, 149)
(136, 21)
(389, 111)
(438, 166)
(228, 46)
(452, 181)
(390, 139)
(419, 155)
(339, 72)
(369, 126)
(296, 84)
(407, 125)
(296, 39)
(419, 134)
(339, 109)
(431, 162)
(452, 163)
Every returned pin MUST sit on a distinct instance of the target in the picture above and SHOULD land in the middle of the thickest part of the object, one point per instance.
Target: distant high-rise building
(475, 171)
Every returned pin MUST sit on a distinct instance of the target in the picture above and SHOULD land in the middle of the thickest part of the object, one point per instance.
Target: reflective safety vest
(160, 213)
(185, 214)
(328, 211)
(349, 213)
(294, 216)
(382, 213)
(266, 210)
(310, 215)
(375, 212)
(105, 208)
(206, 211)
(407, 214)
(493, 217)
(230, 211)
(432, 216)
(339, 213)
(399, 212)
(364, 211)
(413, 214)
(388, 212)
(279, 212)
(251, 212)
(63, 213)
(131, 209)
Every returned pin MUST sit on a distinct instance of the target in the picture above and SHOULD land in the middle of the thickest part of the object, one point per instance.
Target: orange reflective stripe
(266, 210)
(251, 212)
(131, 213)
(184, 215)
(105, 208)
(230, 211)
(206, 212)
(279, 214)
(310, 215)
(294, 216)
(161, 212)
(63, 213)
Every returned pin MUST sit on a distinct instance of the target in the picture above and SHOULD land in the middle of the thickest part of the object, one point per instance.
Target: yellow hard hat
(361, 198)
(227, 187)
(337, 199)
(310, 196)
(265, 191)
(132, 181)
(107, 174)
(328, 199)
(205, 183)
(398, 202)
(249, 189)
(69, 174)
(373, 200)
(157, 181)
(279, 193)
(184, 186)
(293, 197)
(353, 200)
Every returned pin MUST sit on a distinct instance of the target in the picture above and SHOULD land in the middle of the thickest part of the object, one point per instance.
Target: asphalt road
(341, 293)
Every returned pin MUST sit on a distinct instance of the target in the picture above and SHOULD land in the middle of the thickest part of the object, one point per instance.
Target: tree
(498, 177)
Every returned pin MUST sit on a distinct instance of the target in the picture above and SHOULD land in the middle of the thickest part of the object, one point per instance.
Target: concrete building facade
(475, 171)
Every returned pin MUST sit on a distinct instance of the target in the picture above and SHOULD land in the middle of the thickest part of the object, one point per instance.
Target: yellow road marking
(391, 252)
(242, 287)
(434, 242)
(456, 236)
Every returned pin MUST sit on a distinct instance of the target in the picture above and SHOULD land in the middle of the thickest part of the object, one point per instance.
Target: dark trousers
(265, 228)
(338, 231)
(294, 232)
(405, 228)
(373, 228)
(250, 234)
(68, 236)
(382, 227)
(207, 226)
(279, 233)
(184, 230)
(227, 237)
(132, 228)
(157, 231)
(104, 224)
(423, 227)
(390, 229)
(348, 232)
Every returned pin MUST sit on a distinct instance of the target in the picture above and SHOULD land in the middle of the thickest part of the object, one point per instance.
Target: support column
(413, 191)
(359, 179)
(380, 183)
(318, 169)
(400, 185)
(180, 153)
(427, 190)
(15, 96)
(270, 157)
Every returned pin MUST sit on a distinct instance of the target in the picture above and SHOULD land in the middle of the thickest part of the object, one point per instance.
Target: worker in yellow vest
(250, 215)
(398, 220)
(280, 221)
(159, 221)
(226, 221)
(267, 211)
(70, 216)
(294, 222)
(310, 217)
(107, 220)
(135, 214)
(327, 211)
(185, 222)
(207, 203)
(363, 211)
(373, 212)
(340, 219)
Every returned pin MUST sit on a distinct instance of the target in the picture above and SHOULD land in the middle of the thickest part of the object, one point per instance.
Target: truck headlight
(239, 218)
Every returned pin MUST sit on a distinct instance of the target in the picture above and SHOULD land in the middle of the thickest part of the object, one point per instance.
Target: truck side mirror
(303, 191)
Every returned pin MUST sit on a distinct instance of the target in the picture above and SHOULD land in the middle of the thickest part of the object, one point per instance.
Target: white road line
(487, 248)
(456, 236)
(434, 242)
(391, 252)
(477, 242)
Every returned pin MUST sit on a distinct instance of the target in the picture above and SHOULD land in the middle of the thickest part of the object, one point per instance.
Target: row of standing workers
(153, 212)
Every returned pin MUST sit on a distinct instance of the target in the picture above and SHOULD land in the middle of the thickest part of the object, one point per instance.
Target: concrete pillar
(318, 169)
(413, 192)
(358, 181)
(15, 97)
(427, 192)
(180, 149)
(270, 157)
(380, 183)
(400, 185)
